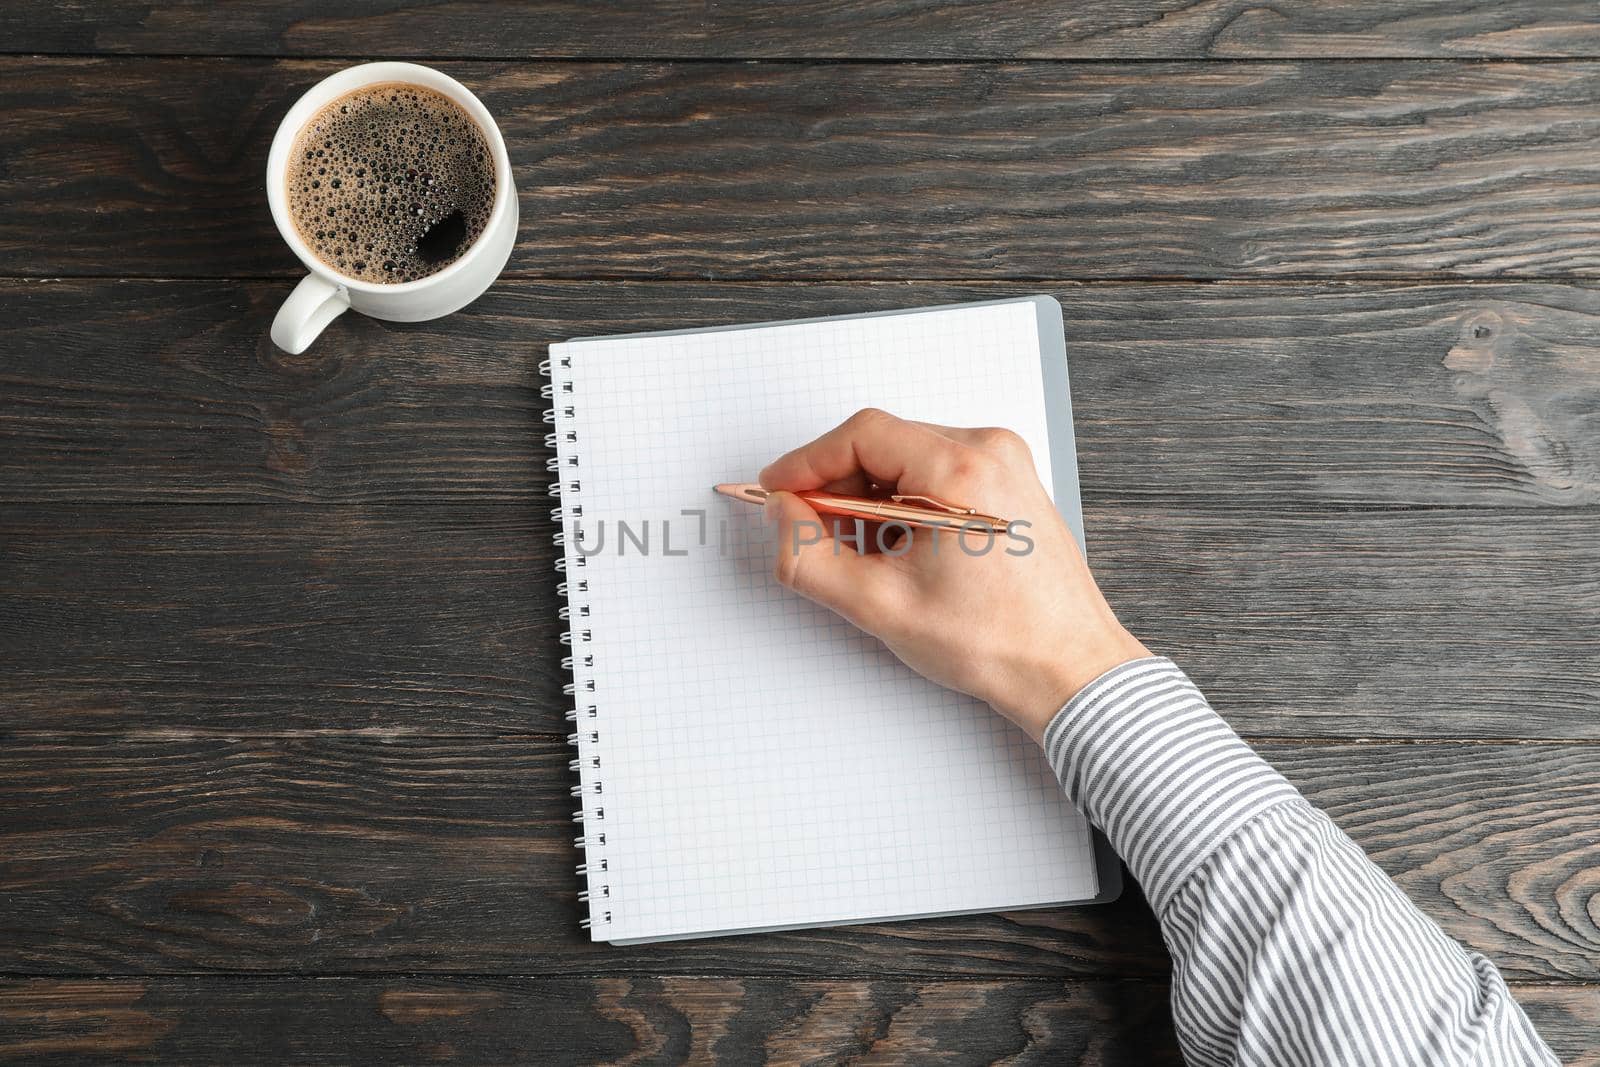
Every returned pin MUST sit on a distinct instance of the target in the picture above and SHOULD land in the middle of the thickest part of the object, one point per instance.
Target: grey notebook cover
(1064, 465)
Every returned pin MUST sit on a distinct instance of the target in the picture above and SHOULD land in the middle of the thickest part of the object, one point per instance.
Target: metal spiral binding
(585, 716)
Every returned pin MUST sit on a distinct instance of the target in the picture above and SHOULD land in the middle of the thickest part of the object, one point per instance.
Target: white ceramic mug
(325, 293)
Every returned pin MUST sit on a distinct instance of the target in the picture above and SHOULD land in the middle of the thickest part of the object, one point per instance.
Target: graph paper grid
(752, 760)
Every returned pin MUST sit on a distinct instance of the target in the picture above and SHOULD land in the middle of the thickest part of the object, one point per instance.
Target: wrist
(1054, 682)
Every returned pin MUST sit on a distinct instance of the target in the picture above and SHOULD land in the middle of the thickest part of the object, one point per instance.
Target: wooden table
(281, 767)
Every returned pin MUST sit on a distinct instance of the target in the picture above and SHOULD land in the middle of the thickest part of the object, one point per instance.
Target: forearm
(1288, 944)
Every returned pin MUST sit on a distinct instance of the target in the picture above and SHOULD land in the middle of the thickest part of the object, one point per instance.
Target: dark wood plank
(1494, 842)
(145, 621)
(215, 619)
(1430, 624)
(454, 856)
(1567, 1018)
(906, 29)
(154, 167)
(591, 1020)
(1243, 396)
(360, 855)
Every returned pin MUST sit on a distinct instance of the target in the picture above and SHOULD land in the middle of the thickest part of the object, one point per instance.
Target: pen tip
(741, 491)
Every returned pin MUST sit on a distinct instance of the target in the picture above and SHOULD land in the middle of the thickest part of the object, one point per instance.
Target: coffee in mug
(390, 183)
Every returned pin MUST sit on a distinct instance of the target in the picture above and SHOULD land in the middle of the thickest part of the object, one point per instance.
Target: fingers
(857, 484)
(870, 442)
(874, 447)
(993, 440)
(834, 574)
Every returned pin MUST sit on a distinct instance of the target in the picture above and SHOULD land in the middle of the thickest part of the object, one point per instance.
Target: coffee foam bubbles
(390, 183)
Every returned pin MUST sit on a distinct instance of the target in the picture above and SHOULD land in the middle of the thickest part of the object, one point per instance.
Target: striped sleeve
(1289, 946)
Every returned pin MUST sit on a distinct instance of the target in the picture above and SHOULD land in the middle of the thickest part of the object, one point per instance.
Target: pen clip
(933, 502)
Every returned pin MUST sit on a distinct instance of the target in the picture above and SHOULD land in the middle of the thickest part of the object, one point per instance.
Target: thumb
(831, 571)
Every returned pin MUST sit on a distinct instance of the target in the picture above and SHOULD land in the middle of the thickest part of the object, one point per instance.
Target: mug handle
(314, 303)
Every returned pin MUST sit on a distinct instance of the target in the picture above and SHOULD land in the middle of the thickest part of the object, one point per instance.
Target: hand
(1020, 624)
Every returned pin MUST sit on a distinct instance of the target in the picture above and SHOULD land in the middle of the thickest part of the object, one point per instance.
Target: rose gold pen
(923, 512)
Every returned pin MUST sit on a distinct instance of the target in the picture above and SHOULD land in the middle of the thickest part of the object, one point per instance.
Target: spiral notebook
(746, 760)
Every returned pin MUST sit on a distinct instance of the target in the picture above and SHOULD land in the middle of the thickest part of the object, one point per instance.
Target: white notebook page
(763, 763)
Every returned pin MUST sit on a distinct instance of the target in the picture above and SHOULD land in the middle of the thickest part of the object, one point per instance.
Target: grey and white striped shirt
(1288, 945)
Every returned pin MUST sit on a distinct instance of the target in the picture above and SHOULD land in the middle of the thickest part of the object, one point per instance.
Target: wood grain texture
(1224, 396)
(453, 856)
(631, 1020)
(1493, 842)
(590, 1021)
(905, 29)
(396, 621)
(1568, 1018)
(784, 170)
(385, 621)
(359, 855)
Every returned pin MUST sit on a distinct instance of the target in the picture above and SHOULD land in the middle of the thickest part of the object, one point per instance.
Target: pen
(924, 512)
